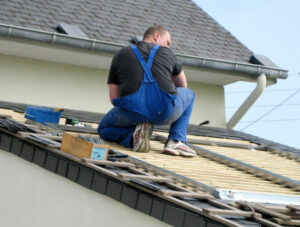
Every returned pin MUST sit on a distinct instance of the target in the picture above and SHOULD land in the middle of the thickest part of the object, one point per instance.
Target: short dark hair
(155, 28)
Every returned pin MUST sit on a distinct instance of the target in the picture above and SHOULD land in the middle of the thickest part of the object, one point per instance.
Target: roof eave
(110, 47)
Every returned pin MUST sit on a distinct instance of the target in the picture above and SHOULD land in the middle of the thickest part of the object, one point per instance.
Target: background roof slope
(193, 31)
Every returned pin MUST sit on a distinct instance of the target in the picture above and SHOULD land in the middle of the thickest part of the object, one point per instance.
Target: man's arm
(180, 80)
(113, 91)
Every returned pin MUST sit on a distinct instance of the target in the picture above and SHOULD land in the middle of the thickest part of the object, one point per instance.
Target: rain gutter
(96, 45)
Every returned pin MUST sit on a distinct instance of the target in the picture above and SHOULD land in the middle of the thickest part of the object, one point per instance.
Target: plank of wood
(231, 212)
(57, 138)
(219, 204)
(74, 128)
(264, 210)
(34, 128)
(224, 220)
(282, 210)
(170, 185)
(185, 194)
(272, 213)
(39, 139)
(293, 208)
(101, 170)
(108, 163)
(266, 222)
(5, 116)
(144, 177)
(54, 146)
(291, 222)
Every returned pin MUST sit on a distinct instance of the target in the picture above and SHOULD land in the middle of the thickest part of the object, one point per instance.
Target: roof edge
(110, 47)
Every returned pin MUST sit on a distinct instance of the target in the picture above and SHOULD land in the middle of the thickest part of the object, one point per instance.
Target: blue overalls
(149, 100)
(148, 104)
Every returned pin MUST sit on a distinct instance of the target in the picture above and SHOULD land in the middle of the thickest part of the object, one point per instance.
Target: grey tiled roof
(193, 31)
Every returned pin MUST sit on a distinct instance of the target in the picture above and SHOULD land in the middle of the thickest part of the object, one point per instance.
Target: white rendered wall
(209, 104)
(51, 84)
(31, 196)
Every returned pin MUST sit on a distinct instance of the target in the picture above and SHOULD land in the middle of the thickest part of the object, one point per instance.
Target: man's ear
(156, 36)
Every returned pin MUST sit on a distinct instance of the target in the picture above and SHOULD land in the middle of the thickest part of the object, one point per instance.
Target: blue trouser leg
(118, 126)
(183, 106)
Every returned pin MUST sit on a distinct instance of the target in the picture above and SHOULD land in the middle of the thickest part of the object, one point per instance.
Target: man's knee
(192, 94)
(99, 129)
(188, 93)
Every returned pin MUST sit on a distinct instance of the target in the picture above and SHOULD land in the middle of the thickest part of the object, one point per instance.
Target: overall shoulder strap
(151, 56)
(146, 67)
(139, 56)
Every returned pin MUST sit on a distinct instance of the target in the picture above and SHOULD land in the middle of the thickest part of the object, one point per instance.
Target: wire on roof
(268, 112)
(265, 105)
(279, 90)
(274, 120)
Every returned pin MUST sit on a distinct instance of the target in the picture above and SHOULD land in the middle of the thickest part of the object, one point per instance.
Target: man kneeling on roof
(148, 86)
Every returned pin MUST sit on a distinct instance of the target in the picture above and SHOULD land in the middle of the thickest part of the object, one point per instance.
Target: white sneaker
(141, 137)
(179, 148)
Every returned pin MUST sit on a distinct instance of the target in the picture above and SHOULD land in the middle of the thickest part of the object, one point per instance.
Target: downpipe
(261, 84)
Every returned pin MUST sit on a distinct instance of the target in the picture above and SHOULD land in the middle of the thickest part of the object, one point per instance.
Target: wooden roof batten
(265, 174)
(196, 184)
(135, 177)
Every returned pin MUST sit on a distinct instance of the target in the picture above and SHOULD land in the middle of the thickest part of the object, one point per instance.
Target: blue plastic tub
(42, 115)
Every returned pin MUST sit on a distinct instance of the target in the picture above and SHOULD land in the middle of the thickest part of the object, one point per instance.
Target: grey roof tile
(27, 152)
(16, 146)
(5, 142)
(119, 20)
(62, 167)
(51, 162)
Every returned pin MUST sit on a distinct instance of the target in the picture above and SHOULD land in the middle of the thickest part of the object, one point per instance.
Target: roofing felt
(194, 32)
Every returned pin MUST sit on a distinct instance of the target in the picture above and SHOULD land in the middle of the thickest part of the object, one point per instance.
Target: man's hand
(180, 80)
(113, 91)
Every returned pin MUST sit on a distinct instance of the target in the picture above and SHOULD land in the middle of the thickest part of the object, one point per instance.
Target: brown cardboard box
(80, 148)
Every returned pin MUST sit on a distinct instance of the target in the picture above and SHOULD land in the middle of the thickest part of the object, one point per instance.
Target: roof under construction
(229, 176)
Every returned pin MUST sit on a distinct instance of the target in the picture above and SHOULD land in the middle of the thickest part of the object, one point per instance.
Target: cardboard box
(80, 148)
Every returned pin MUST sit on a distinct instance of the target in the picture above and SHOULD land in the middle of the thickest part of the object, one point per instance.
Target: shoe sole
(187, 154)
(171, 151)
(144, 145)
(178, 152)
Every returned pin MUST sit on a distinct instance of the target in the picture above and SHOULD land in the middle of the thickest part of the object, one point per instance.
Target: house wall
(32, 196)
(52, 84)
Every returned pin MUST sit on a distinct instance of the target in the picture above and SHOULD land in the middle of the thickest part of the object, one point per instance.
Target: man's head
(158, 35)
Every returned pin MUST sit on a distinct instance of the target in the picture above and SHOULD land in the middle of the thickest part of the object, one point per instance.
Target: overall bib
(149, 100)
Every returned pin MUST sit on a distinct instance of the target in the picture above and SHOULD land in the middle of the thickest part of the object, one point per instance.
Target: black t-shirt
(127, 72)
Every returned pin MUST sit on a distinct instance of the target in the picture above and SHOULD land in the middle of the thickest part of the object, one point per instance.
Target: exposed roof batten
(96, 45)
